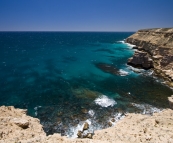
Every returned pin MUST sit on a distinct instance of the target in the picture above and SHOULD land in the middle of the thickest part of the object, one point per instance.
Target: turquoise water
(58, 76)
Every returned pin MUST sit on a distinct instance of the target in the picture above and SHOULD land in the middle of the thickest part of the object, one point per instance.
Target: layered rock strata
(17, 127)
(154, 50)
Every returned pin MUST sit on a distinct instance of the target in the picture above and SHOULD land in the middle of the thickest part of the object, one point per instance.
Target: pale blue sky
(84, 15)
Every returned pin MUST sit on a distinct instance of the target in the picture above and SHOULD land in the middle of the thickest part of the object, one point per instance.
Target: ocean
(68, 78)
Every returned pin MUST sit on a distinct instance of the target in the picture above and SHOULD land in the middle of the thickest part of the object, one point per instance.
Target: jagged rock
(170, 99)
(23, 123)
(89, 135)
(157, 43)
(86, 126)
(141, 59)
(79, 134)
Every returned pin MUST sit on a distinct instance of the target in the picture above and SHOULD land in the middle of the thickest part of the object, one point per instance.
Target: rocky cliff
(154, 50)
(17, 127)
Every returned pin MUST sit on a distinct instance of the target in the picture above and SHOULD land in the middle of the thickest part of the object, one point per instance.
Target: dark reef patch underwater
(67, 78)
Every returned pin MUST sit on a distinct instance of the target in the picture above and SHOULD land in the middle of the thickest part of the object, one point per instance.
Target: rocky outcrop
(141, 59)
(156, 51)
(17, 127)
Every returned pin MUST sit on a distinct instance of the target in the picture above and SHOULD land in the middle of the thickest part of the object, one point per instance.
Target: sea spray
(104, 101)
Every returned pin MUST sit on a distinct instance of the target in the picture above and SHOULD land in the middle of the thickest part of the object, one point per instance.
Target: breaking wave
(104, 101)
(123, 72)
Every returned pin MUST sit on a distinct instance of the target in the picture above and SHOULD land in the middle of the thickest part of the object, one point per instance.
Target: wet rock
(110, 124)
(60, 113)
(170, 99)
(86, 126)
(89, 135)
(85, 111)
(108, 68)
(23, 123)
(141, 59)
(79, 134)
(113, 120)
(135, 47)
(59, 120)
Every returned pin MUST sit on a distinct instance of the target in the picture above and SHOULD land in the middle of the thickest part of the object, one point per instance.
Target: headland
(154, 50)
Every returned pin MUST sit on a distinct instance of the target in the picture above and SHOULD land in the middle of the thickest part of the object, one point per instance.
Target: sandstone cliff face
(17, 127)
(157, 46)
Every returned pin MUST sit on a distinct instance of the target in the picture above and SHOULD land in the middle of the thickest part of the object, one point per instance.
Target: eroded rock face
(157, 44)
(141, 59)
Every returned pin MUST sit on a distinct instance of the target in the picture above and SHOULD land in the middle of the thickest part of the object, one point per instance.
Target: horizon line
(61, 31)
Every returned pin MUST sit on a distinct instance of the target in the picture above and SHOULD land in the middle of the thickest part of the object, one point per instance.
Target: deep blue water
(64, 72)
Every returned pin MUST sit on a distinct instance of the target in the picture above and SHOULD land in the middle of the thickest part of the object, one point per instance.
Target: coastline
(18, 120)
(16, 126)
(154, 51)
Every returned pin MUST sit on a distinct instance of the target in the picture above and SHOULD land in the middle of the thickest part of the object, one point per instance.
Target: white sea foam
(130, 45)
(104, 101)
(36, 113)
(123, 72)
(147, 109)
(121, 41)
(91, 113)
(36, 108)
(136, 69)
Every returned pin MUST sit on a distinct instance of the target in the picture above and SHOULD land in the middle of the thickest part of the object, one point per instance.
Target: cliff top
(162, 30)
(16, 126)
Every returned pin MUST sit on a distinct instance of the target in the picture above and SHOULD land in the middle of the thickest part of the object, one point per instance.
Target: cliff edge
(154, 50)
(17, 127)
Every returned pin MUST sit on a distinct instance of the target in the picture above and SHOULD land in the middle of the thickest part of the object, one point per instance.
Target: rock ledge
(17, 127)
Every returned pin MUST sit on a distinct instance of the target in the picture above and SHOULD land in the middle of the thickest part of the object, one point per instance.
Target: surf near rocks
(155, 50)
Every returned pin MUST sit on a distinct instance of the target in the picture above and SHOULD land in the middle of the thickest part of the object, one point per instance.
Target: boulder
(110, 124)
(79, 134)
(86, 126)
(89, 135)
(141, 59)
(113, 120)
(23, 123)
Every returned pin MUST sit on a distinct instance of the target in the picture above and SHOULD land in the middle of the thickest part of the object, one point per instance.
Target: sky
(84, 15)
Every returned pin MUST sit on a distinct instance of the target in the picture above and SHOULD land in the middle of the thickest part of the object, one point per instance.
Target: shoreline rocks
(145, 128)
(141, 59)
(154, 50)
